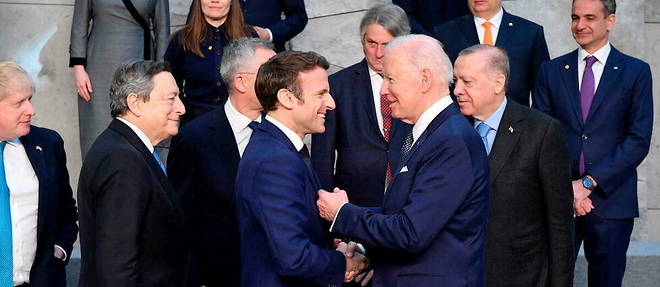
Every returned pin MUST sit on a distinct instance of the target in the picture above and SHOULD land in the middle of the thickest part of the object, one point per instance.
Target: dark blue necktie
(6, 251)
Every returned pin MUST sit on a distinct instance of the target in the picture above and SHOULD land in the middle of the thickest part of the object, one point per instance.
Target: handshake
(356, 262)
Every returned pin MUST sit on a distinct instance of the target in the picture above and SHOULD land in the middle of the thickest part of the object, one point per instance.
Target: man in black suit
(131, 223)
(490, 24)
(426, 14)
(529, 239)
(203, 162)
(361, 129)
(37, 210)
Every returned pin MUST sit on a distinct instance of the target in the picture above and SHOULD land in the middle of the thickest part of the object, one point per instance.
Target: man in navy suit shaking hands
(431, 229)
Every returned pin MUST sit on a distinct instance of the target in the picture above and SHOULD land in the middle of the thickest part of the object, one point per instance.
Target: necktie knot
(488, 35)
(483, 129)
(253, 125)
(591, 60)
(487, 25)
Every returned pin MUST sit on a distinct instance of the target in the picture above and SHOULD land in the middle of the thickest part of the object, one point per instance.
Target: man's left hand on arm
(330, 202)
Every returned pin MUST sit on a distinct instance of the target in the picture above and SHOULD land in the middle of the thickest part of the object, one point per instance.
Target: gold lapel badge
(510, 24)
(567, 67)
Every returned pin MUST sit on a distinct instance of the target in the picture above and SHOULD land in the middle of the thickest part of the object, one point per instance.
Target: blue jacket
(617, 133)
(268, 14)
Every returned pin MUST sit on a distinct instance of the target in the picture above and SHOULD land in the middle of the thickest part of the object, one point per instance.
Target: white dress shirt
(597, 68)
(376, 84)
(23, 203)
(239, 126)
(495, 22)
(143, 137)
(291, 135)
(427, 116)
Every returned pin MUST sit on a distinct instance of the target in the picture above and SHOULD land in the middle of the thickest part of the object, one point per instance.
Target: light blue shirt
(493, 122)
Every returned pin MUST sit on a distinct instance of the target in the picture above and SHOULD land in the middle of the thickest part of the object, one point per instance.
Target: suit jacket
(432, 228)
(268, 14)
(423, 15)
(615, 137)
(56, 211)
(283, 240)
(522, 39)
(352, 130)
(202, 166)
(529, 239)
(131, 224)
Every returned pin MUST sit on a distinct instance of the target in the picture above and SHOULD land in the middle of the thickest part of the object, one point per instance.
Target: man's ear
(500, 80)
(425, 80)
(286, 98)
(134, 104)
(239, 83)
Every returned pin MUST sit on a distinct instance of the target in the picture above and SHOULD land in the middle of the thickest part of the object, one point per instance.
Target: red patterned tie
(387, 128)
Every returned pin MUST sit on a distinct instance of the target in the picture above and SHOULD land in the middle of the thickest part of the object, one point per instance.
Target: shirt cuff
(62, 249)
(336, 214)
(270, 35)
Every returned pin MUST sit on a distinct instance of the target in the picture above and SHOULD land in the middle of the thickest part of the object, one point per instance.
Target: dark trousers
(605, 245)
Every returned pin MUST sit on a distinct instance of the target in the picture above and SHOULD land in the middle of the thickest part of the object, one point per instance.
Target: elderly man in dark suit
(490, 24)
(37, 210)
(283, 241)
(361, 130)
(431, 229)
(604, 98)
(131, 223)
(424, 15)
(529, 239)
(203, 162)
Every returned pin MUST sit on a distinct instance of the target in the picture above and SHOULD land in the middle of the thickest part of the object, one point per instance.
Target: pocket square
(404, 169)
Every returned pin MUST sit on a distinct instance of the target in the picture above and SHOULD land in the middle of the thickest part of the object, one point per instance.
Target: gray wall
(35, 33)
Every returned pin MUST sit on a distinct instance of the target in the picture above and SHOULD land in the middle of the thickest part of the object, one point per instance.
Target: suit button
(584, 137)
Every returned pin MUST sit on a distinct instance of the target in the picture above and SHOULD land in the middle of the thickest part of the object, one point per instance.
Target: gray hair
(425, 53)
(497, 59)
(609, 7)
(133, 78)
(239, 54)
(12, 76)
(388, 15)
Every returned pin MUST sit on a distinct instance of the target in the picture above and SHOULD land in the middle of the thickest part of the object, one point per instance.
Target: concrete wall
(35, 33)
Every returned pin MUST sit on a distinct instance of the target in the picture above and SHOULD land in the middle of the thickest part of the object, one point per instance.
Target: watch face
(587, 183)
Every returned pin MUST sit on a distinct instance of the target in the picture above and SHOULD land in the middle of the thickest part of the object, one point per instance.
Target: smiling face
(373, 44)
(215, 11)
(309, 113)
(402, 86)
(479, 90)
(590, 24)
(159, 116)
(16, 111)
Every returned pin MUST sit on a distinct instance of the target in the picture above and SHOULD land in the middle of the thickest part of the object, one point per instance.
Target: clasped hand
(356, 262)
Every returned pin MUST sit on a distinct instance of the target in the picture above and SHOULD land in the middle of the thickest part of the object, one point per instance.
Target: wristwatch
(588, 183)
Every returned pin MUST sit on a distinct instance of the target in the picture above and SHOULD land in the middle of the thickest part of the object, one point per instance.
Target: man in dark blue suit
(605, 101)
(37, 210)
(283, 241)
(203, 162)
(424, 15)
(522, 39)
(432, 226)
(361, 129)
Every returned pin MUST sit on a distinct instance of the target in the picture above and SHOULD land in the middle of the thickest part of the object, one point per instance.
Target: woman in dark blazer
(195, 53)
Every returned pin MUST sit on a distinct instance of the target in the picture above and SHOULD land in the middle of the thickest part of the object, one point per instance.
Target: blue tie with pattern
(6, 251)
(160, 162)
(482, 130)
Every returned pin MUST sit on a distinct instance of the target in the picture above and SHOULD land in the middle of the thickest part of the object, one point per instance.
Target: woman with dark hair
(195, 53)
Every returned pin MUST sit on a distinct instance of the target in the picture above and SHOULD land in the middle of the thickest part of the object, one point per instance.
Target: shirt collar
(139, 133)
(494, 120)
(372, 72)
(495, 20)
(14, 142)
(427, 116)
(293, 137)
(601, 54)
(237, 121)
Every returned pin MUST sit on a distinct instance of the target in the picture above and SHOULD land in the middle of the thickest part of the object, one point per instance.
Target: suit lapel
(506, 139)
(469, 30)
(223, 136)
(569, 75)
(612, 70)
(366, 96)
(37, 158)
(505, 29)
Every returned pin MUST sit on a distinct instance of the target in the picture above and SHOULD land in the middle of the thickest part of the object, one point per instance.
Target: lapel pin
(38, 148)
(510, 129)
(616, 68)
(210, 48)
(567, 67)
(510, 24)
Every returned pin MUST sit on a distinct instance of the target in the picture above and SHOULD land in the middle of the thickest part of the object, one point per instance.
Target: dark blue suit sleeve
(539, 56)
(294, 22)
(634, 147)
(440, 187)
(540, 96)
(323, 151)
(279, 205)
(67, 214)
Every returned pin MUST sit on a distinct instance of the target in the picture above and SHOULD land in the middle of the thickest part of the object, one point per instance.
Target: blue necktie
(482, 130)
(160, 162)
(6, 251)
